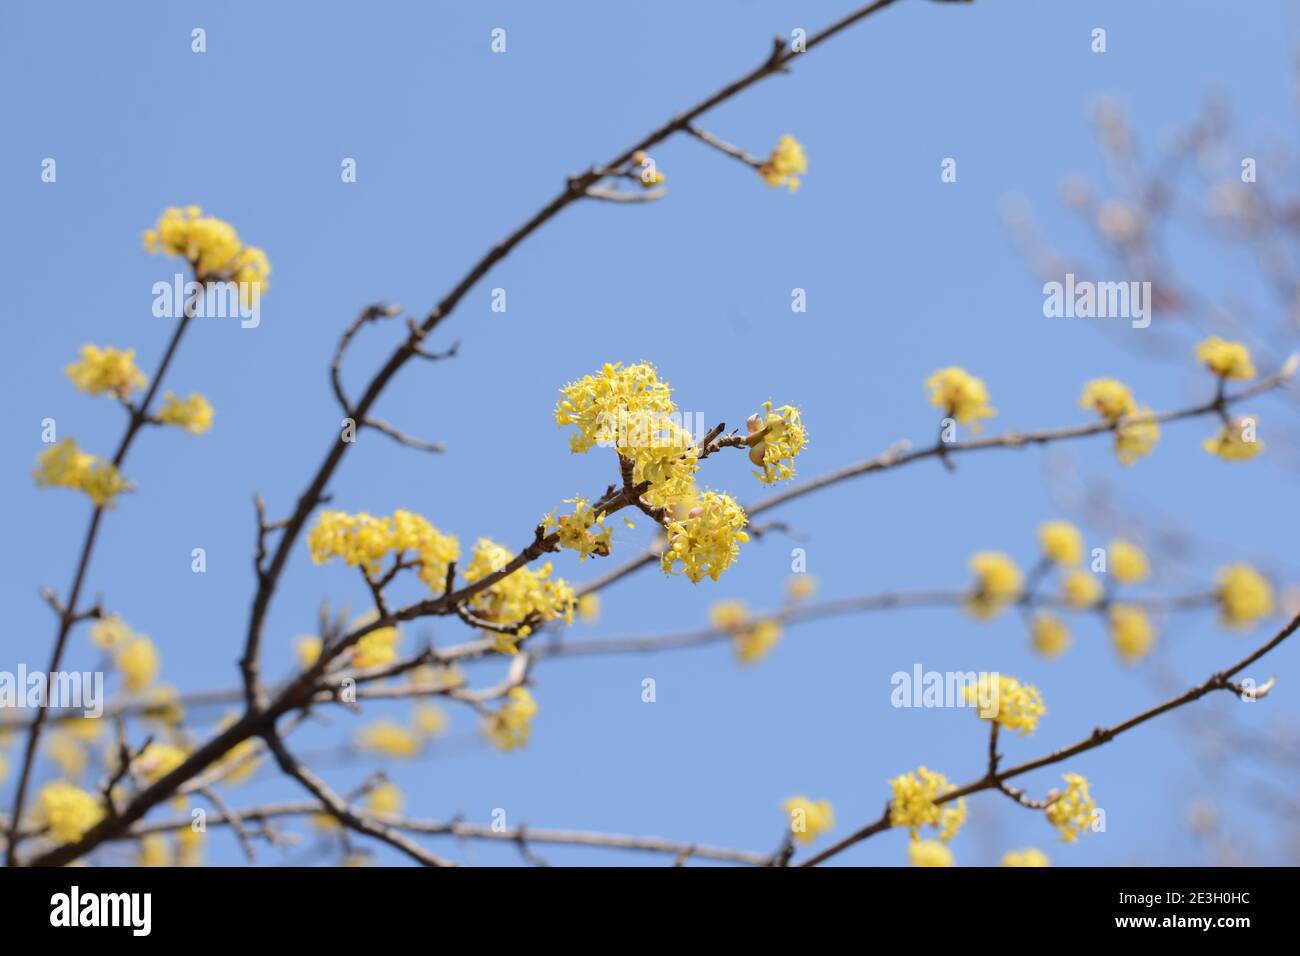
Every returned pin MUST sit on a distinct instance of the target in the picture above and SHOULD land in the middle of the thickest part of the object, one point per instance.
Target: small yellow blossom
(707, 540)
(157, 760)
(1225, 359)
(154, 850)
(1110, 399)
(962, 396)
(139, 663)
(386, 798)
(510, 727)
(193, 414)
(753, 643)
(800, 587)
(428, 720)
(1081, 589)
(997, 583)
(1007, 702)
(583, 530)
(109, 632)
(786, 164)
(589, 608)
(326, 822)
(363, 541)
(808, 818)
(1029, 856)
(929, 853)
(390, 739)
(913, 804)
(66, 466)
(67, 810)
(1062, 542)
(308, 648)
(526, 595)
(598, 405)
(729, 615)
(212, 247)
(1131, 631)
(1128, 562)
(1071, 813)
(783, 438)
(1244, 596)
(1050, 635)
(1235, 441)
(1136, 436)
(377, 647)
(106, 370)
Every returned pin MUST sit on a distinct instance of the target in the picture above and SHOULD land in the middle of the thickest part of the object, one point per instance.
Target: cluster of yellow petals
(1071, 813)
(526, 594)
(783, 437)
(752, 638)
(212, 247)
(785, 165)
(582, 530)
(106, 370)
(66, 466)
(913, 804)
(706, 539)
(1244, 596)
(808, 818)
(194, 414)
(1006, 701)
(363, 541)
(962, 396)
(511, 725)
(998, 582)
(1225, 359)
(67, 810)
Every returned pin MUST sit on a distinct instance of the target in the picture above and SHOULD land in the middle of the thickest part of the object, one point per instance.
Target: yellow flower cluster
(375, 648)
(707, 539)
(786, 164)
(528, 593)
(138, 661)
(575, 529)
(390, 739)
(1006, 701)
(109, 632)
(1244, 596)
(1128, 562)
(1071, 812)
(362, 540)
(1049, 635)
(962, 396)
(1136, 430)
(997, 583)
(929, 853)
(193, 414)
(1029, 856)
(1131, 631)
(157, 760)
(783, 438)
(510, 727)
(386, 798)
(808, 818)
(66, 466)
(913, 804)
(599, 404)
(1061, 542)
(1225, 359)
(1232, 444)
(1080, 589)
(106, 370)
(68, 811)
(212, 247)
(752, 639)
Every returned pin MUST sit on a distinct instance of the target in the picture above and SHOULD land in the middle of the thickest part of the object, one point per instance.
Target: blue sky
(455, 146)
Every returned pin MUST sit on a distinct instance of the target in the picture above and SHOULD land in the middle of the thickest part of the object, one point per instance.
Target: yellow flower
(67, 753)
(138, 661)
(1049, 635)
(308, 648)
(997, 583)
(1131, 631)
(1009, 703)
(1226, 359)
(68, 811)
(1110, 399)
(1231, 443)
(729, 615)
(783, 438)
(808, 819)
(212, 247)
(66, 466)
(106, 370)
(707, 540)
(1080, 589)
(962, 396)
(786, 164)
(1244, 596)
(929, 853)
(389, 739)
(386, 798)
(913, 804)
(1072, 811)
(326, 822)
(1128, 562)
(575, 530)
(428, 720)
(1026, 857)
(194, 414)
(377, 647)
(599, 405)
(510, 727)
(154, 850)
(1136, 436)
(525, 595)
(589, 608)
(363, 541)
(801, 587)
(1062, 542)
(110, 631)
(157, 760)
(753, 643)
